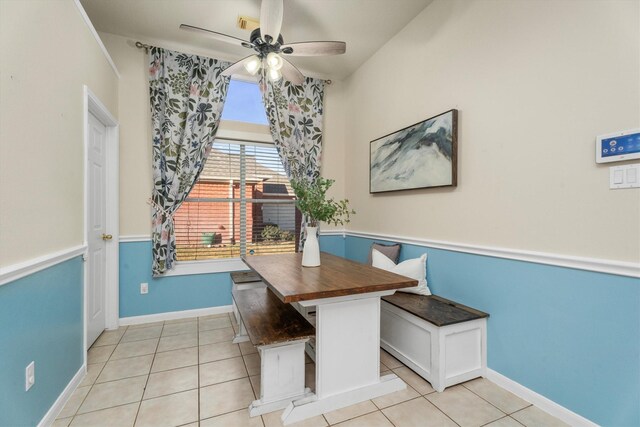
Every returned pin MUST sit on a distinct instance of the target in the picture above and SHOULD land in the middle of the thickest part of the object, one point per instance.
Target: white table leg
(347, 357)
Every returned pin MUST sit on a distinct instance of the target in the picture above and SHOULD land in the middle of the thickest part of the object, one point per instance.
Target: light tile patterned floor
(188, 373)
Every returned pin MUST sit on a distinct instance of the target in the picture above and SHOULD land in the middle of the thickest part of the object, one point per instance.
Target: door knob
(106, 236)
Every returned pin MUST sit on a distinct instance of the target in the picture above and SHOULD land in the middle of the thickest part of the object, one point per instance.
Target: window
(241, 205)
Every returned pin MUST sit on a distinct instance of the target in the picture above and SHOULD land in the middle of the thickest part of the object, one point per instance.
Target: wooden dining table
(346, 295)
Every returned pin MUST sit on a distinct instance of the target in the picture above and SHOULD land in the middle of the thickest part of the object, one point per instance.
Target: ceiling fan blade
(237, 67)
(271, 20)
(217, 36)
(291, 73)
(314, 48)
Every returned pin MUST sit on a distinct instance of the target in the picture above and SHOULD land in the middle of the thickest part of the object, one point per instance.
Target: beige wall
(534, 82)
(47, 55)
(333, 149)
(135, 128)
(135, 146)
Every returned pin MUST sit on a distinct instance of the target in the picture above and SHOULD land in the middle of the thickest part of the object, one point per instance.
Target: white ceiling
(364, 24)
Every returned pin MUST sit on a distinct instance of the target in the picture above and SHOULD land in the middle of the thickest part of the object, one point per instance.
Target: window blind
(242, 205)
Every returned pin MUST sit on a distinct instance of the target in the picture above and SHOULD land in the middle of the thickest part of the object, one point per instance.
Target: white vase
(311, 251)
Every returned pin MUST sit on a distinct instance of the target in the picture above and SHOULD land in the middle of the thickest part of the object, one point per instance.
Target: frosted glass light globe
(274, 75)
(252, 65)
(274, 61)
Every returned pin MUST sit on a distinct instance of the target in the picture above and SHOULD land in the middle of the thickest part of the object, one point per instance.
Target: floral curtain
(295, 120)
(187, 93)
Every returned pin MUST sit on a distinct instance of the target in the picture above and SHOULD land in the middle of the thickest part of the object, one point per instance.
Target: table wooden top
(268, 320)
(335, 277)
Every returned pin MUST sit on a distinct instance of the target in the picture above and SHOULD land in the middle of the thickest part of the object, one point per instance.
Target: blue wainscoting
(41, 320)
(333, 245)
(572, 336)
(166, 294)
(177, 293)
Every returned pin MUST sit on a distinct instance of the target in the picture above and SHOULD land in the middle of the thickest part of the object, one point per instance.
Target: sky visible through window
(244, 103)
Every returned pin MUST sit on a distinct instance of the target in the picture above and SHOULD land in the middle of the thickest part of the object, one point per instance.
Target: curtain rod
(146, 47)
(140, 45)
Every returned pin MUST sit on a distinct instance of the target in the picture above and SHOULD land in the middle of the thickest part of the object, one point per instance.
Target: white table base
(309, 407)
(281, 377)
(347, 356)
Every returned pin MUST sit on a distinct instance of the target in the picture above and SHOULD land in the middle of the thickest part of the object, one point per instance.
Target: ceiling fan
(270, 48)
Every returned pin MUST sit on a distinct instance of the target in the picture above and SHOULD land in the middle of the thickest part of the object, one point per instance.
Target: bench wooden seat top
(268, 320)
(239, 277)
(434, 309)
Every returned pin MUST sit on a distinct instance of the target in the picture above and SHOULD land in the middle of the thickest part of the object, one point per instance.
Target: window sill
(186, 268)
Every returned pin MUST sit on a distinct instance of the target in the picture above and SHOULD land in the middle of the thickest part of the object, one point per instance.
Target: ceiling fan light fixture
(268, 46)
(252, 65)
(274, 61)
(274, 74)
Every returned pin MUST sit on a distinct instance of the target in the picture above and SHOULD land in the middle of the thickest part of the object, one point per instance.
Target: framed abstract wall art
(422, 155)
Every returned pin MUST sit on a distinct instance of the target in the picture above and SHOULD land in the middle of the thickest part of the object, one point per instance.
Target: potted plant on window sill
(311, 200)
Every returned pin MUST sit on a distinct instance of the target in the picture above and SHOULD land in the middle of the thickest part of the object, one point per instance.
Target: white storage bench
(442, 341)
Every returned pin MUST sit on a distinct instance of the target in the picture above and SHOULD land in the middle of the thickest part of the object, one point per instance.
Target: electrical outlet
(30, 376)
(144, 288)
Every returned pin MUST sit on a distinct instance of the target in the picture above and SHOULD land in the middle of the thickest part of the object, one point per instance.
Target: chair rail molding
(22, 269)
(135, 238)
(337, 232)
(599, 265)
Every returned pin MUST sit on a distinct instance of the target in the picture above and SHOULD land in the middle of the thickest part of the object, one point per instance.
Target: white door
(97, 233)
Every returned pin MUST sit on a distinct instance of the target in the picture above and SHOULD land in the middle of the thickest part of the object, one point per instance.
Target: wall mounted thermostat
(619, 146)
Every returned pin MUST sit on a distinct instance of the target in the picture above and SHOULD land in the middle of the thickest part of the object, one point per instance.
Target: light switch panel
(627, 176)
(618, 176)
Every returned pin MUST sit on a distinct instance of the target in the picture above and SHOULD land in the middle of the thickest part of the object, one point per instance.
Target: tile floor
(188, 373)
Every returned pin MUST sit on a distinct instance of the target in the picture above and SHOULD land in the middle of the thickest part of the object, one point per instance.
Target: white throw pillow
(415, 268)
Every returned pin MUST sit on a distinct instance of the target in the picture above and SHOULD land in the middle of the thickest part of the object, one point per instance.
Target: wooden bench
(244, 280)
(442, 341)
(280, 334)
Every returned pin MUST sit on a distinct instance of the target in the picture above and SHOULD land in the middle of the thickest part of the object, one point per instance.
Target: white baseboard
(547, 405)
(57, 406)
(172, 315)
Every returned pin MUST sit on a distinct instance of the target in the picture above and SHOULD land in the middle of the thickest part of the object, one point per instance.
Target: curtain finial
(141, 45)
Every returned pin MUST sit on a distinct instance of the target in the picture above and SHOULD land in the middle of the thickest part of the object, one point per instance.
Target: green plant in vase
(312, 201)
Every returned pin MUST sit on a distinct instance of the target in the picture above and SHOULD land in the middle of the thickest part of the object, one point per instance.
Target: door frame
(93, 105)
